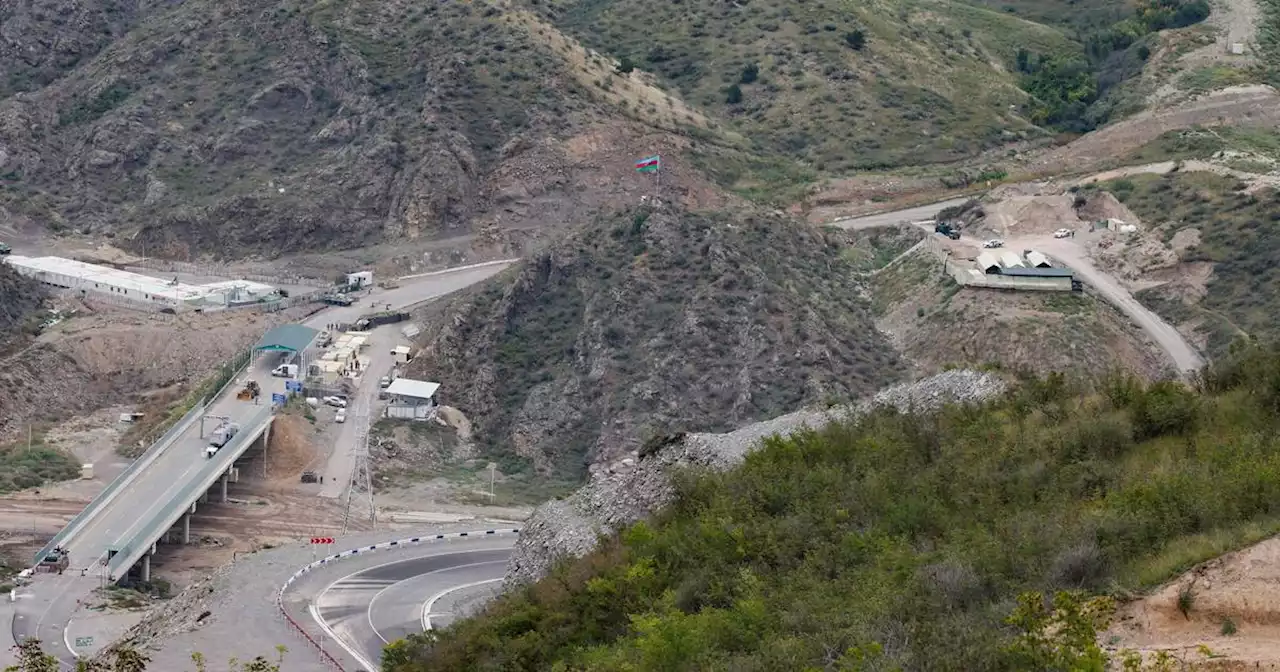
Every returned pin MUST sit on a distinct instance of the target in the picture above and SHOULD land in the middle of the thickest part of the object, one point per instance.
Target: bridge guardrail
(172, 511)
(113, 488)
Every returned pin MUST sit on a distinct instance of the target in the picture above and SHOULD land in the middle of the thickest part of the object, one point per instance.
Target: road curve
(52, 600)
(1183, 355)
(364, 608)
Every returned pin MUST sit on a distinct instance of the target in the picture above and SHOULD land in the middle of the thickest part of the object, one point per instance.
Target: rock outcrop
(633, 488)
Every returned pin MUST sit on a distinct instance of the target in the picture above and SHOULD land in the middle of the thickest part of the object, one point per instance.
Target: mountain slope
(907, 541)
(837, 85)
(650, 321)
(238, 128)
(19, 299)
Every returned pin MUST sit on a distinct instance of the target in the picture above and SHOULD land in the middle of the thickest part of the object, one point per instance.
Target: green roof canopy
(288, 337)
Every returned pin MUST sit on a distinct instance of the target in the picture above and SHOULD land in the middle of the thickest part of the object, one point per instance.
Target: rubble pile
(633, 487)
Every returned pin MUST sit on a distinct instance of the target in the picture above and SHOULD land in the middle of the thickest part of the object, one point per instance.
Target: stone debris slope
(631, 489)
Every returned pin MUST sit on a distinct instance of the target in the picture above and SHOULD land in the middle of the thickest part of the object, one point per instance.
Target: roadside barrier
(365, 550)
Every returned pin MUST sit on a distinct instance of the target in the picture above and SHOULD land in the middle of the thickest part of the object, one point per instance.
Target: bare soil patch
(1232, 609)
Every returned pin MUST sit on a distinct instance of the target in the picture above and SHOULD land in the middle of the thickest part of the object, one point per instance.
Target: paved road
(51, 601)
(412, 291)
(908, 216)
(368, 607)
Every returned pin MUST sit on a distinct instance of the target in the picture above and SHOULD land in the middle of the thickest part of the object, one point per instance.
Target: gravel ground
(632, 488)
(242, 619)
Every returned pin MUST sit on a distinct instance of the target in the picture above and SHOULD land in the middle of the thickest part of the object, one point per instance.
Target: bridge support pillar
(224, 488)
(204, 499)
(146, 568)
(186, 529)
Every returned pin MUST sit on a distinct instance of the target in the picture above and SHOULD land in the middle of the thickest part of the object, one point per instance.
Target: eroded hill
(233, 128)
(651, 321)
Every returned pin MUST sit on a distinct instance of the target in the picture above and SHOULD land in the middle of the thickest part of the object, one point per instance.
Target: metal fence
(215, 271)
(179, 502)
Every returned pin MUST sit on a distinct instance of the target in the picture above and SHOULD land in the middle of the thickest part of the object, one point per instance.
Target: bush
(750, 74)
(733, 95)
(855, 39)
(902, 538)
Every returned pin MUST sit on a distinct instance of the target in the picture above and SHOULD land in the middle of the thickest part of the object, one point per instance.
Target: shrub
(733, 95)
(750, 73)
(855, 39)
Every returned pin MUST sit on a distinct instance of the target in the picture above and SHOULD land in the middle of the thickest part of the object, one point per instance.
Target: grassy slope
(647, 322)
(1238, 233)
(930, 84)
(905, 535)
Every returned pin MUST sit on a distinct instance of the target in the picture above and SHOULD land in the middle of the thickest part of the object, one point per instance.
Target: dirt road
(1065, 250)
(1183, 355)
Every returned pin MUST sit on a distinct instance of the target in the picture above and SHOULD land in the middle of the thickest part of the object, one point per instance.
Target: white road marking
(315, 616)
(369, 611)
(426, 606)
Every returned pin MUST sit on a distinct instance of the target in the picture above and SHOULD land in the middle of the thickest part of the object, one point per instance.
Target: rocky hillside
(651, 321)
(637, 486)
(238, 128)
(20, 298)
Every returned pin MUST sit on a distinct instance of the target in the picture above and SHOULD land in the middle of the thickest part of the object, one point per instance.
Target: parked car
(994, 242)
(341, 415)
(1062, 233)
(338, 402)
(385, 382)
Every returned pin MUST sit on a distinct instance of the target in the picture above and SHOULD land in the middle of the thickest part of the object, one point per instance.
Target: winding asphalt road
(364, 607)
(48, 605)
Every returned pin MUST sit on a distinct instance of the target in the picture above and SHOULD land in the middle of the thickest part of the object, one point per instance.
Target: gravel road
(1181, 352)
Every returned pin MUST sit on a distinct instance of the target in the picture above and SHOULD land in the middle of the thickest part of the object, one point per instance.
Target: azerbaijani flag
(649, 164)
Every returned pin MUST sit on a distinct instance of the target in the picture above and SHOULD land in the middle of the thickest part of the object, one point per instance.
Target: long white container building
(135, 287)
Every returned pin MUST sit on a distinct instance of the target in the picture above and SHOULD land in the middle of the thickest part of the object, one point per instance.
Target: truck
(285, 371)
(947, 230)
(378, 319)
(337, 299)
(220, 437)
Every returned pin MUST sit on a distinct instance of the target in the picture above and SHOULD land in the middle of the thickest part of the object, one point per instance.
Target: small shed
(412, 399)
(988, 262)
(1038, 260)
(1009, 259)
(402, 354)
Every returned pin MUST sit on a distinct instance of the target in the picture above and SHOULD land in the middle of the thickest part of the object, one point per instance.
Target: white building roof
(400, 350)
(241, 287)
(1011, 260)
(1037, 259)
(418, 389)
(105, 275)
(987, 260)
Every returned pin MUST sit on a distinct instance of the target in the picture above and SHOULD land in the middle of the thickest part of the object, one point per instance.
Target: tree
(626, 65)
(733, 95)
(856, 39)
(750, 73)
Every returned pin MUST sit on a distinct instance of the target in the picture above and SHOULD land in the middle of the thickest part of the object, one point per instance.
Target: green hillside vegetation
(904, 542)
(845, 87)
(24, 465)
(836, 85)
(1239, 233)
